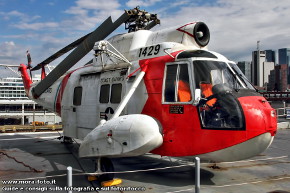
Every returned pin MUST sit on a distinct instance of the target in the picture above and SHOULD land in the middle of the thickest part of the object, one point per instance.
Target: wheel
(106, 166)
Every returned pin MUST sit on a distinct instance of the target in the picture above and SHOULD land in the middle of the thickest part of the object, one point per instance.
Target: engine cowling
(128, 135)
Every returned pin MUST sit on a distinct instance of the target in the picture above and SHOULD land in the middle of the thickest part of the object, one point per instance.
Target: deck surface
(40, 160)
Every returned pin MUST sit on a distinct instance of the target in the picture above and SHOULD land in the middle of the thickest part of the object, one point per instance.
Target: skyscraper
(245, 67)
(258, 57)
(270, 56)
(260, 68)
(284, 56)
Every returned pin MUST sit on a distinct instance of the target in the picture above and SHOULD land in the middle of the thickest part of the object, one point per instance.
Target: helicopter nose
(271, 121)
(241, 151)
(260, 128)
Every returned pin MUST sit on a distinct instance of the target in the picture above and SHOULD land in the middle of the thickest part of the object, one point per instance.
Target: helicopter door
(85, 103)
(110, 93)
(177, 85)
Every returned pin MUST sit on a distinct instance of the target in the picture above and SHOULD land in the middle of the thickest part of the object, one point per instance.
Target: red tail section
(43, 74)
(25, 77)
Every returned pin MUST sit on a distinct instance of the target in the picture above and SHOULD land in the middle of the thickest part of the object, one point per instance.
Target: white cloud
(36, 26)
(11, 53)
(22, 17)
(15, 13)
(87, 14)
(50, 3)
(141, 3)
(100, 4)
(237, 25)
(11, 43)
(7, 49)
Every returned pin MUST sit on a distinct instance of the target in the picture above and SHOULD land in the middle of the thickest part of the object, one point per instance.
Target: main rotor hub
(140, 20)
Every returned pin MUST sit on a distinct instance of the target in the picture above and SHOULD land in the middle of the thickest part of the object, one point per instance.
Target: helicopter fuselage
(233, 122)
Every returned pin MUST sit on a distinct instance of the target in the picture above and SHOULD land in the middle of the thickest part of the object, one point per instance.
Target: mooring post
(197, 174)
(69, 179)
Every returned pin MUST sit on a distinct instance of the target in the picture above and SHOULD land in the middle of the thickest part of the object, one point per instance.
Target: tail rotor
(29, 61)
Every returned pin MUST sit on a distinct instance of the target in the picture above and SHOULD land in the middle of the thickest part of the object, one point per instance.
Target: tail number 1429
(149, 51)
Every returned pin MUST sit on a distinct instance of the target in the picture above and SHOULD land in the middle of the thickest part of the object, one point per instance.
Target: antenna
(258, 45)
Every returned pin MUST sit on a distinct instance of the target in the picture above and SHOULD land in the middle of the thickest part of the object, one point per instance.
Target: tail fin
(25, 77)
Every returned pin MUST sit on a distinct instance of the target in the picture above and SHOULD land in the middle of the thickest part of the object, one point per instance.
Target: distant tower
(260, 68)
(258, 59)
(245, 67)
(284, 58)
(270, 56)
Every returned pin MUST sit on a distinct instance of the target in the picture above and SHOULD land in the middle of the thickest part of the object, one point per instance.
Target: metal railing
(276, 96)
(19, 128)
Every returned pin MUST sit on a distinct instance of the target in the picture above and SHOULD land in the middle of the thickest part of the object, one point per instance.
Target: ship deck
(40, 160)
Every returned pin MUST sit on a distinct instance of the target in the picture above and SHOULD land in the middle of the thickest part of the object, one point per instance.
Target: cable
(20, 162)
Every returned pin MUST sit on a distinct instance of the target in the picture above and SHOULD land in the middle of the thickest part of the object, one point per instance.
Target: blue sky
(44, 27)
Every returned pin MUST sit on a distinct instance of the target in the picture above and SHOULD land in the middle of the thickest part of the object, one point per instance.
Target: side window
(77, 100)
(104, 93)
(177, 84)
(115, 90)
(170, 82)
(116, 93)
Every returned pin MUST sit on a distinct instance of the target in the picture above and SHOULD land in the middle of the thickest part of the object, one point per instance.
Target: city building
(260, 69)
(267, 67)
(246, 68)
(284, 56)
(258, 57)
(16, 108)
(281, 77)
(272, 85)
(270, 56)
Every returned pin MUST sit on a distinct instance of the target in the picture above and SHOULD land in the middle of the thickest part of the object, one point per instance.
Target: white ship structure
(16, 108)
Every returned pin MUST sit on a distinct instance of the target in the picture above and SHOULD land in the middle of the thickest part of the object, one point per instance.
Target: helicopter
(160, 92)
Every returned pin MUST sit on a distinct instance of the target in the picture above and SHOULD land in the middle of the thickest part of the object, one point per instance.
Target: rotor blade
(152, 24)
(60, 52)
(105, 29)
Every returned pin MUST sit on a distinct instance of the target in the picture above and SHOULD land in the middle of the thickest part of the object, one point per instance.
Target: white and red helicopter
(161, 92)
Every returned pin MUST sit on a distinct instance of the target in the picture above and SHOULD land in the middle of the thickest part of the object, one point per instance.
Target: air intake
(201, 34)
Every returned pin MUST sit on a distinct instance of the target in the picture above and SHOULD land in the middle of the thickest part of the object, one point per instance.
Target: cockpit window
(214, 72)
(242, 76)
(218, 108)
(177, 84)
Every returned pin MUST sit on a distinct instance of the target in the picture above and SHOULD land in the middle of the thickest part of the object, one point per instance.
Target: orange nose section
(271, 121)
(259, 115)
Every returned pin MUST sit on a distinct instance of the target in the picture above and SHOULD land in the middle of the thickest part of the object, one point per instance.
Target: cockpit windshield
(218, 108)
(215, 72)
(242, 76)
